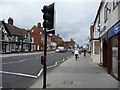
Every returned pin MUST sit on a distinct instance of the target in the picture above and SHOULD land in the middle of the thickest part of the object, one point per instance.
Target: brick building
(69, 44)
(58, 40)
(37, 37)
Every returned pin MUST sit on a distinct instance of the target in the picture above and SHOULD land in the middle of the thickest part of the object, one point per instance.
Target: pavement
(81, 73)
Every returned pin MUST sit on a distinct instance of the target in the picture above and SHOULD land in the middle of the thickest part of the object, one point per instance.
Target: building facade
(70, 44)
(14, 39)
(108, 17)
(37, 36)
(95, 41)
(58, 40)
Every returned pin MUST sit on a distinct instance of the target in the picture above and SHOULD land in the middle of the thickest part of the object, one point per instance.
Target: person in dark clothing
(85, 52)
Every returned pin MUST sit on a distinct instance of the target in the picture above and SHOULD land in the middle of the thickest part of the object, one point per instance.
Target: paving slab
(81, 73)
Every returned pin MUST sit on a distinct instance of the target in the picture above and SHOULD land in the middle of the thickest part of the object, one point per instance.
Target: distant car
(57, 50)
(60, 50)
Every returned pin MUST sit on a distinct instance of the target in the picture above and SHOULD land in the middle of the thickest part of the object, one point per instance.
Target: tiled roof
(16, 31)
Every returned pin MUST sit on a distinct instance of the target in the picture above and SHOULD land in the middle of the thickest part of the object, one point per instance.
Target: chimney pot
(39, 25)
(10, 21)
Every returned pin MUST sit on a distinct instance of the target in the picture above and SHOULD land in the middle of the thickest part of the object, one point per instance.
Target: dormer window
(106, 12)
(115, 3)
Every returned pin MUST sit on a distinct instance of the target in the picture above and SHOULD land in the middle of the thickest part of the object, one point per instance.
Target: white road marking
(19, 61)
(15, 61)
(51, 66)
(40, 73)
(19, 74)
(56, 63)
(27, 75)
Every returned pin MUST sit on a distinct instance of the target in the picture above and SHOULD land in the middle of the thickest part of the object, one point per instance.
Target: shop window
(115, 56)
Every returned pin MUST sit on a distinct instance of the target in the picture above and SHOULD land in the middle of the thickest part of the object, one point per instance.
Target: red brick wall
(58, 40)
(35, 33)
(92, 32)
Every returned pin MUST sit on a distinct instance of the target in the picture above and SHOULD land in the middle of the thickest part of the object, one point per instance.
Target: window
(32, 30)
(40, 32)
(6, 37)
(16, 38)
(32, 40)
(106, 12)
(97, 45)
(115, 3)
(115, 55)
(13, 38)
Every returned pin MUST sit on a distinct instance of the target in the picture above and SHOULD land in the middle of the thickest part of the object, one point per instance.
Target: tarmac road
(22, 71)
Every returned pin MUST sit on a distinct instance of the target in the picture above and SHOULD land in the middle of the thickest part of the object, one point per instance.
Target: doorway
(105, 54)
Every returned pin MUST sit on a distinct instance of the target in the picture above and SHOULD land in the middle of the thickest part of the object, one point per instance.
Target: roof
(3, 23)
(67, 41)
(101, 3)
(16, 31)
(53, 40)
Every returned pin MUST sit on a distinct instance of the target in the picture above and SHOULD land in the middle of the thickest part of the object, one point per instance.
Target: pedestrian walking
(76, 54)
(85, 52)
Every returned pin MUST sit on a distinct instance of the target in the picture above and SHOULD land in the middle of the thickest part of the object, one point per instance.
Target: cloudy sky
(73, 19)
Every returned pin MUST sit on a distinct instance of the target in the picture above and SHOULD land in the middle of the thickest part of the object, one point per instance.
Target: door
(105, 54)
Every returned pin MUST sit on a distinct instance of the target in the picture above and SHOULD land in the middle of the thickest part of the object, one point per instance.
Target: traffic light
(43, 60)
(48, 16)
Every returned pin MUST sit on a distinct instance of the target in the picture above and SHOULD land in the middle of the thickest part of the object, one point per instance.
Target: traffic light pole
(45, 54)
(48, 24)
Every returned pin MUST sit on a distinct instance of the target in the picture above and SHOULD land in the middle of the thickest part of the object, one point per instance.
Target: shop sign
(114, 30)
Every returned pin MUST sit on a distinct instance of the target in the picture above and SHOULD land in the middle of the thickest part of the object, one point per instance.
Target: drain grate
(68, 82)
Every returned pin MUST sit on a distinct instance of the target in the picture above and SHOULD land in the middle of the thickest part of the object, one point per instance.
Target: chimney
(10, 21)
(39, 25)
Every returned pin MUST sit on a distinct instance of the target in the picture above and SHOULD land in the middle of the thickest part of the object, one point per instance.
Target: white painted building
(106, 28)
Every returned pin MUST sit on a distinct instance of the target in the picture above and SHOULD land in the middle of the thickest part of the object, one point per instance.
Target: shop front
(114, 48)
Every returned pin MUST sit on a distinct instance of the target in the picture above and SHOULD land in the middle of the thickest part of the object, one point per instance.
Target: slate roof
(16, 31)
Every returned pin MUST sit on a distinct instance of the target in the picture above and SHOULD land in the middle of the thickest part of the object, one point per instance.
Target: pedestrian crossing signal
(43, 60)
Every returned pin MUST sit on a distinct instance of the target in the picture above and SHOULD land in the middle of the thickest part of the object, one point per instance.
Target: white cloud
(72, 18)
(51, 0)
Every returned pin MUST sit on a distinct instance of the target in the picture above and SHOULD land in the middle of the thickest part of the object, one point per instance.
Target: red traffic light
(43, 60)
